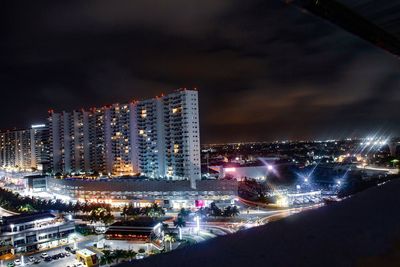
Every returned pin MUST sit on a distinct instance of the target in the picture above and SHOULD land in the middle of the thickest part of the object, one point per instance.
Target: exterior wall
(130, 190)
(97, 140)
(149, 136)
(118, 140)
(29, 236)
(15, 149)
(158, 138)
(182, 136)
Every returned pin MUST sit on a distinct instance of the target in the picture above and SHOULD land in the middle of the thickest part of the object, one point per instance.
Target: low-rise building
(33, 232)
(36, 183)
(139, 231)
(143, 192)
(87, 257)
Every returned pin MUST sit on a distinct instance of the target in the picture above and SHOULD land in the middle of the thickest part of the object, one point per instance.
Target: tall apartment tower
(40, 147)
(168, 137)
(69, 137)
(149, 137)
(97, 145)
(118, 139)
(182, 135)
(158, 138)
(15, 149)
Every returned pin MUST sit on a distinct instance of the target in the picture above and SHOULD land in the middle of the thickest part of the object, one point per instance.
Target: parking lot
(67, 260)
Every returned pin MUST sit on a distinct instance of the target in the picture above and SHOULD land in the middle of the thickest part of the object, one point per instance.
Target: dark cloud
(265, 70)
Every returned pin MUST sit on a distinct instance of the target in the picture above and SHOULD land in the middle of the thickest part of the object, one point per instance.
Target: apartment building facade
(158, 138)
(24, 150)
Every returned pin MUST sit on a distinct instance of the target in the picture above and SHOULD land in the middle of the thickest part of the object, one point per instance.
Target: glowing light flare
(230, 169)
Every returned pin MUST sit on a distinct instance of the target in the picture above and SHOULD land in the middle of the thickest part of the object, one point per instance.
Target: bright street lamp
(197, 219)
(180, 233)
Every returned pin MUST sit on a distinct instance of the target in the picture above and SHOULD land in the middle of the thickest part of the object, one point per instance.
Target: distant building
(144, 230)
(36, 183)
(158, 138)
(140, 192)
(40, 147)
(168, 139)
(32, 232)
(19, 150)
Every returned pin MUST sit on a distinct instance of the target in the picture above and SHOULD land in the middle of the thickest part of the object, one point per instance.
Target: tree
(101, 215)
(214, 210)
(184, 213)
(130, 254)
(26, 208)
(235, 211)
(107, 258)
(154, 211)
(171, 239)
(118, 254)
(180, 222)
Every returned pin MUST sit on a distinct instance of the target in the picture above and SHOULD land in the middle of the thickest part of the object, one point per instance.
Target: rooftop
(23, 218)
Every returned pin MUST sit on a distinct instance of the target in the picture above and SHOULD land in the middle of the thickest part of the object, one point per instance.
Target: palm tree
(184, 212)
(180, 222)
(130, 254)
(26, 208)
(170, 239)
(118, 254)
(235, 211)
(107, 258)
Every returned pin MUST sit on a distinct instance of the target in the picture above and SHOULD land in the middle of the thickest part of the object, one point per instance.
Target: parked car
(17, 262)
(31, 258)
(10, 264)
(68, 249)
(55, 257)
(48, 258)
(37, 261)
(44, 255)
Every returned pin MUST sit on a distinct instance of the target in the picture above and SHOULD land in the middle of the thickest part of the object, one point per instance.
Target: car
(48, 258)
(44, 255)
(55, 257)
(68, 249)
(79, 265)
(61, 255)
(67, 254)
(37, 261)
(10, 264)
(73, 251)
(31, 258)
(17, 262)
(140, 256)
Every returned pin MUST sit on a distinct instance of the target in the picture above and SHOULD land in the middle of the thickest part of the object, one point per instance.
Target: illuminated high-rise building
(40, 147)
(15, 150)
(157, 138)
(167, 136)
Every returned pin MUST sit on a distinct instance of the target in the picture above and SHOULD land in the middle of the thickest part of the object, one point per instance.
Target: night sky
(264, 70)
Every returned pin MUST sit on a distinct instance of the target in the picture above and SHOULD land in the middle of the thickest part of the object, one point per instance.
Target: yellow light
(282, 201)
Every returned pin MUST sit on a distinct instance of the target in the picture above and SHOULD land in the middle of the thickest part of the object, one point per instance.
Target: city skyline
(263, 69)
